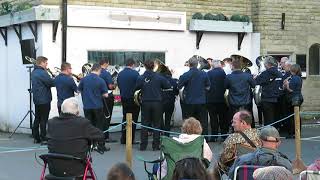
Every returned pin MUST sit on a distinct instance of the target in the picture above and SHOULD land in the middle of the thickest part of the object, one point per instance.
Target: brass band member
(109, 101)
(41, 89)
(127, 79)
(151, 84)
(196, 83)
(66, 87)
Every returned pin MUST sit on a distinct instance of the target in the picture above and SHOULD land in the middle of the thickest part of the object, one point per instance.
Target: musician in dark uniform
(41, 89)
(66, 87)
(239, 84)
(168, 100)
(92, 89)
(269, 80)
(109, 101)
(196, 83)
(216, 105)
(126, 80)
(151, 85)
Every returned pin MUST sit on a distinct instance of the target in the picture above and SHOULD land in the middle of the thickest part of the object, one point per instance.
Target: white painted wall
(178, 45)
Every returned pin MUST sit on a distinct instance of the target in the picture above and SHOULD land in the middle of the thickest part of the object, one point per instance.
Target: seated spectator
(314, 166)
(272, 173)
(243, 135)
(191, 129)
(120, 171)
(190, 168)
(70, 134)
(267, 155)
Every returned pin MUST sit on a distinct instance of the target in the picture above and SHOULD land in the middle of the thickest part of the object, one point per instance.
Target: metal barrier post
(129, 139)
(297, 165)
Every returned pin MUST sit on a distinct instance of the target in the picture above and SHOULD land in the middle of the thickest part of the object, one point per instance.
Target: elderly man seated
(71, 134)
(267, 155)
(243, 136)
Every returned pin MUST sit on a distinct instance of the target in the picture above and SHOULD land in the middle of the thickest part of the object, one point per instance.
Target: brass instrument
(258, 89)
(86, 69)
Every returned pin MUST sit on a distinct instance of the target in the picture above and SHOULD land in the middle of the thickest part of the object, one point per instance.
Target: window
(119, 57)
(301, 59)
(314, 59)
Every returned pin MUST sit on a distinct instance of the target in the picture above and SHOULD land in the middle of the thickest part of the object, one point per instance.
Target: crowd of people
(202, 94)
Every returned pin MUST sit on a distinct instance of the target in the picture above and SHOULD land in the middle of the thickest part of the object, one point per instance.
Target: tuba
(245, 64)
(258, 89)
(202, 65)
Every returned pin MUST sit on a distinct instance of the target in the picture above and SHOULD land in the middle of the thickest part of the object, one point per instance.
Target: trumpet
(78, 78)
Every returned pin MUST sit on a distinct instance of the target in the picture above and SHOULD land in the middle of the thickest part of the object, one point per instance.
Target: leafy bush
(221, 17)
(245, 18)
(236, 17)
(209, 16)
(197, 16)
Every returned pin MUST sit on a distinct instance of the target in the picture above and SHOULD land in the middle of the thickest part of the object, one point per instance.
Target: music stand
(30, 111)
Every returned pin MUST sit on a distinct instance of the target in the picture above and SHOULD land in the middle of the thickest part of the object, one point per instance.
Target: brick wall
(227, 7)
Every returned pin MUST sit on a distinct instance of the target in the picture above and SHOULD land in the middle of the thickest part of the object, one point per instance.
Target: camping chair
(173, 151)
(309, 175)
(245, 172)
(57, 173)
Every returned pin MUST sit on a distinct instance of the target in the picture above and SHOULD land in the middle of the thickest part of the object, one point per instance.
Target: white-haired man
(71, 134)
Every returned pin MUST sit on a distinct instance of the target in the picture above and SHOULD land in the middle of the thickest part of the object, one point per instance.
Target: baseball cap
(269, 133)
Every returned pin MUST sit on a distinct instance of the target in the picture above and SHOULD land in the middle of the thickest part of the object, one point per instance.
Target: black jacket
(71, 135)
(270, 81)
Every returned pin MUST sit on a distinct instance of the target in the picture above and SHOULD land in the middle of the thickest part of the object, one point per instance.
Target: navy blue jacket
(217, 89)
(41, 85)
(170, 96)
(239, 84)
(284, 77)
(92, 87)
(66, 87)
(195, 83)
(151, 85)
(127, 80)
(106, 76)
(295, 84)
(270, 80)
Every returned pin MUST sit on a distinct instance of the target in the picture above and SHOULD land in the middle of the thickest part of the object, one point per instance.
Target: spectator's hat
(269, 133)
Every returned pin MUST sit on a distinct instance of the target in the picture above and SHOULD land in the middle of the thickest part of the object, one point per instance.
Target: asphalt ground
(18, 155)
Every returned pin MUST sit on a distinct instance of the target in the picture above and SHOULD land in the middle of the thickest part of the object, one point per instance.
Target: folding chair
(245, 172)
(173, 151)
(309, 175)
(54, 160)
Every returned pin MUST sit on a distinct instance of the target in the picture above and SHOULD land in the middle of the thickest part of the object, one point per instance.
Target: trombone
(73, 75)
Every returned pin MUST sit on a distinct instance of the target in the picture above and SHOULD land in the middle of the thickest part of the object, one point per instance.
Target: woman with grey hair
(272, 173)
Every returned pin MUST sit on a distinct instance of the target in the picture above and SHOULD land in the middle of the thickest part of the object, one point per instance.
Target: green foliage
(8, 7)
(197, 16)
(209, 16)
(221, 17)
(236, 17)
(245, 18)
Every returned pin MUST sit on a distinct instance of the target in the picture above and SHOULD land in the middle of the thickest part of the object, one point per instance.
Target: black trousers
(269, 112)
(183, 111)
(107, 109)
(217, 113)
(151, 113)
(41, 118)
(128, 106)
(96, 117)
(199, 112)
(168, 109)
(284, 110)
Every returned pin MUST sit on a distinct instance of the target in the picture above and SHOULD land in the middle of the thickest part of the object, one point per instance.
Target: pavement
(19, 156)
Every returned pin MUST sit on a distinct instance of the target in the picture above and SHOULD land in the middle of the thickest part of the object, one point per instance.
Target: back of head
(65, 66)
(270, 134)
(295, 68)
(149, 64)
(216, 63)
(270, 62)
(191, 126)
(103, 61)
(245, 116)
(193, 61)
(272, 173)
(190, 168)
(130, 62)
(70, 106)
(120, 171)
(236, 64)
(95, 67)
(41, 59)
